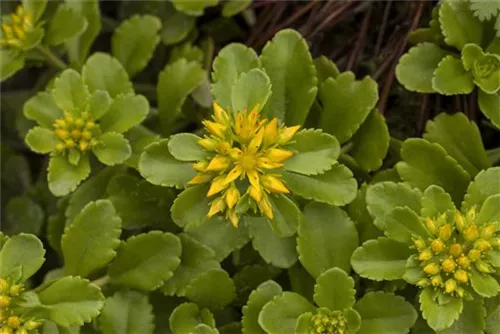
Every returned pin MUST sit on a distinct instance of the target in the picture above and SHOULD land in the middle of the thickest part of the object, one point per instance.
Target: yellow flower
(14, 32)
(247, 156)
(69, 131)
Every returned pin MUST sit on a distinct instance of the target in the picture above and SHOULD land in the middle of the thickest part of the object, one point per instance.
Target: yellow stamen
(76, 134)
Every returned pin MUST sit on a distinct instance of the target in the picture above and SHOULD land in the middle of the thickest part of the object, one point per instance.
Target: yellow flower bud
(255, 193)
(448, 265)
(461, 276)
(495, 243)
(425, 255)
(484, 267)
(459, 221)
(460, 292)
(445, 232)
(265, 207)
(76, 134)
(471, 214)
(233, 217)
(60, 123)
(87, 135)
(70, 143)
(437, 246)
(488, 231)
(482, 245)
(471, 233)
(455, 250)
(13, 322)
(232, 196)
(201, 166)
(79, 123)
(218, 163)
(436, 281)
(62, 134)
(6, 330)
(273, 184)
(4, 286)
(216, 129)
(431, 225)
(83, 145)
(30, 325)
(463, 262)
(21, 331)
(431, 269)
(94, 142)
(450, 286)
(90, 125)
(4, 301)
(223, 147)
(217, 206)
(15, 290)
(60, 147)
(474, 254)
(419, 244)
(69, 119)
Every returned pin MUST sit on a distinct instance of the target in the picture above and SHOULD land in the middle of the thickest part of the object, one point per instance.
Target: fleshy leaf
(64, 177)
(134, 42)
(402, 224)
(124, 112)
(458, 24)
(327, 237)
(43, 109)
(194, 8)
(21, 256)
(10, 63)
(176, 28)
(470, 53)
(439, 317)
(70, 92)
(472, 319)
(213, 289)
(485, 285)
(258, 298)
(187, 317)
(250, 90)
(42, 140)
(289, 65)
(334, 290)
(451, 78)
(145, 261)
(347, 102)
(99, 104)
(66, 24)
(490, 106)
(435, 201)
(485, 184)
(185, 147)
(113, 149)
(489, 210)
(381, 259)
(89, 243)
(190, 208)
(325, 68)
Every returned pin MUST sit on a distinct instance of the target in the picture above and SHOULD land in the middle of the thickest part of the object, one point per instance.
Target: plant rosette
(82, 114)
(245, 162)
(336, 310)
(452, 255)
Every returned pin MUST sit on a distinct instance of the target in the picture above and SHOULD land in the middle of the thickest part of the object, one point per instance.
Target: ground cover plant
(200, 167)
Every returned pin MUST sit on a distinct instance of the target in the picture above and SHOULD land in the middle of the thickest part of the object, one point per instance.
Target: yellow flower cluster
(448, 257)
(14, 34)
(11, 323)
(333, 323)
(247, 152)
(75, 132)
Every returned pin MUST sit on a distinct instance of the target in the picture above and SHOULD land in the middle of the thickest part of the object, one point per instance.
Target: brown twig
(423, 114)
(360, 42)
(473, 105)
(383, 26)
(264, 18)
(328, 20)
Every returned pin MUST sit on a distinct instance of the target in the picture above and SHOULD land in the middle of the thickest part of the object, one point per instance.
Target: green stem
(51, 57)
(102, 281)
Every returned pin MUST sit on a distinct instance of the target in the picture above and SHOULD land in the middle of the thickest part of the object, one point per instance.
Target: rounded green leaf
(176, 27)
(470, 53)
(325, 68)
(185, 147)
(113, 149)
(334, 290)
(449, 131)
(42, 140)
(233, 60)
(10, 63)
(64, 25)
(187, 316)
(485, 184)
(127, 312)
(416, 68)
(439, 317)
(280, 252)
(213, 289)
(281, 313)
(451, 78)
(134, 42)
(346, 102)
(436, 201)
(484, 284)
(70, 92)
(264, 293)
(43, 109)
(234, 7)
(145, 261)
(327, 237)
(312, 145)
(99, 103)
(489, 210)
(194, 8)
(125, 112)
(89, 243)
(190, 208)
(303, 323)
(158, 166)
(250, 90)
(290, 67)
(103, 72)
(22, 255)
(22, 215)
(489, 104)
(459, 25)
(426, 163)
(383, 313)
(64, 177)
(472, 319)
(286, 216)
(381, 259)
(402, 224)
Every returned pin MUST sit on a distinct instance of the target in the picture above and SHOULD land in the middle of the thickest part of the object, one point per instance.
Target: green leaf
(70, 92)
(193, 7)
(472, 319)
(325, 68)
(327, 237)
(312, 145)
(416, 68)
(158, 166)
(336, 186)
(55, 225)
(458, 24)
(470, 53)
(426, 163)
(42, 109)
(103, 72)
(378, 318)
(134, 42)
(66, 24)
(402, 224)
(486, 71)
(186, 50)
(10, 63)
(371, 142)
(485, 184)
(436, 201)
(190, 208)
(286, 216)
(175, 83)
(346, 102)
(493, 317)
(484, 284)
(220, 236)
(449, 131)
(125, 112)
(304, 323)
(383, 197)
(358, 212)
(78, 48)
(281, 313)
(22, 215)
(42, 140)
(451, 78)
(99, 104)
(233, 60)
(185, 147)
(381, 259)
(233, 7)
(188, 316)
(35, 7)
(213, 289)
(290, 67)
(64, 177)
(334, 290)
(22, 255)
(70, 301)
(113, 149)
(196, 259)
(280, 252)
(489, 210)
(258, 298)
(489, 104)
(89, 243)
(127, 312)
(145, 261)
(250, 90)
(484, 10)
(439, 317)
(139, 138)
(176, 28)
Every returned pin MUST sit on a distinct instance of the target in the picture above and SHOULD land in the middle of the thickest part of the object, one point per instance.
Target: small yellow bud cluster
(10, 322)
(75, 132)
(14, 33)
(448, 256)
(327, 322)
